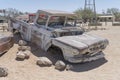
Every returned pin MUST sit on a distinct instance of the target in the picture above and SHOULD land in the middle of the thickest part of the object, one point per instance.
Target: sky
(64, 5)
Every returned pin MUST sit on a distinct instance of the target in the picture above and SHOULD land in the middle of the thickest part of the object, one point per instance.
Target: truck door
(25, 31)
(41, 37)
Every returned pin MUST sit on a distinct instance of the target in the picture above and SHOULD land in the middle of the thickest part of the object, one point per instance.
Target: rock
(44, 61)
(3, 71)
(22, 48)
(69, 67)
(20, 55)
(28, 48)
(27, 53)
(60, 65)
(22, 43)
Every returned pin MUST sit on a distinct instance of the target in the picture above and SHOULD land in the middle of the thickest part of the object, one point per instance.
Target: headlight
(75, 52)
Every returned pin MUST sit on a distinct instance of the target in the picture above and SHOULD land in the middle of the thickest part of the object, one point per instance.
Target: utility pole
(90, 5)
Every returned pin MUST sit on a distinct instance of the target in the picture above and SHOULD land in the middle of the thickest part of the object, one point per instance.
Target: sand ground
(103, 69)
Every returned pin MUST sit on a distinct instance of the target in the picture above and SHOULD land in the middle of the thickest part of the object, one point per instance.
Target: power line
(90, 5)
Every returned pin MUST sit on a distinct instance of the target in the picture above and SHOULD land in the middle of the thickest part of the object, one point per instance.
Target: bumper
(86, 59)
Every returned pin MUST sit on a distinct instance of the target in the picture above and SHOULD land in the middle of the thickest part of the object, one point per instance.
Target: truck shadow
(81, 67)
(88, 66)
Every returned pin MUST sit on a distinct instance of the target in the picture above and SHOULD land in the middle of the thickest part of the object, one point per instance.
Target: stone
(22, 48)
(3, 72)
(27, 53)
(60, 65)
(69, 67)
(28, 48)
(44, 61)
(20, 55)
(22, 43)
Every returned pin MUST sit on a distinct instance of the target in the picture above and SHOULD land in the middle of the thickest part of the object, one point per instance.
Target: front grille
(97, 48)
(93, 50)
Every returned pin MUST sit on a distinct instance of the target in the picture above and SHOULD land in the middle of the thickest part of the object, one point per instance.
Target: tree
(84, 14)
(103, 12)
(114, 11)
(79, 13)
(13, 12)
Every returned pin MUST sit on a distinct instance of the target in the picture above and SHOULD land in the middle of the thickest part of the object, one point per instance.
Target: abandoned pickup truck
(57, 30)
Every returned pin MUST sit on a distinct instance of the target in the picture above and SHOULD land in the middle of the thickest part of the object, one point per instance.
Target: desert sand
(103, 69)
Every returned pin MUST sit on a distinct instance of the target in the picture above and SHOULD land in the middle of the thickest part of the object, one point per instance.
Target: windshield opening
(42, 19)
(60, 21)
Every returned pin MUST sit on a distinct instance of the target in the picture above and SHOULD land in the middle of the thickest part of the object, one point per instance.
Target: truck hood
(81, 42)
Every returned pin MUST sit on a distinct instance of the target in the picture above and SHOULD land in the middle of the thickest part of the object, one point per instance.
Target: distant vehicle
(57, 30)
(31, 17)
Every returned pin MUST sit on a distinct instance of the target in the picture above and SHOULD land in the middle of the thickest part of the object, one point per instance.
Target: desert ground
(102, 69)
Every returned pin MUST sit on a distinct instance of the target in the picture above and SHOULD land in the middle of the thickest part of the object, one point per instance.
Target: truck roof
(56, 12)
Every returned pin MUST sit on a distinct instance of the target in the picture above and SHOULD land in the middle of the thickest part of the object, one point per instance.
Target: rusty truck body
(58, 29)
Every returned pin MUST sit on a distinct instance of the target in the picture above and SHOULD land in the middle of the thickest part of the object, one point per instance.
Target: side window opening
(42, 19)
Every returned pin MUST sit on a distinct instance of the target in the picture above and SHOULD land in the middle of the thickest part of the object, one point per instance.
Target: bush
(93, 24)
